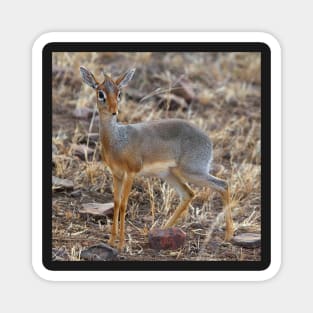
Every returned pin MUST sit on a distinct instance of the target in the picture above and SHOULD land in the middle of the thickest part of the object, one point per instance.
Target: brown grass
(226, 105)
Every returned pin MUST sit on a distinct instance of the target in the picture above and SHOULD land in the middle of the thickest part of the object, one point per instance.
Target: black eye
(119, 96)
(101, 96)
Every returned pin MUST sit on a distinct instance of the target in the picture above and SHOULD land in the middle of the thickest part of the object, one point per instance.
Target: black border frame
(265, 156)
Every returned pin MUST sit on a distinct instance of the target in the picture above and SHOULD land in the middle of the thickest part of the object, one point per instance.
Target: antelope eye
(101, 96)
(119, 96)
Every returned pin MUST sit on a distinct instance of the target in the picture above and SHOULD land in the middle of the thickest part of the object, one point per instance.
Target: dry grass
(226, 105)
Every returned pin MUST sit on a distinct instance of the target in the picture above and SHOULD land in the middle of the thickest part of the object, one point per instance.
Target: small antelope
(171, 149)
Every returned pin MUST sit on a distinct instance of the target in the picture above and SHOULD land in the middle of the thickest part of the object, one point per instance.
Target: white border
(271, 271)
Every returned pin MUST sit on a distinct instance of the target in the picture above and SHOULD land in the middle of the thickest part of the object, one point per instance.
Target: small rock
(247, 240)
(60, 254)
(62, 184)
(104, 209)
(76, 193)
(164, 239)
(99, 252)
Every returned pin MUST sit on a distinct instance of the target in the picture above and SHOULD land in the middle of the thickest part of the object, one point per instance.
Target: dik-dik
(172, 149)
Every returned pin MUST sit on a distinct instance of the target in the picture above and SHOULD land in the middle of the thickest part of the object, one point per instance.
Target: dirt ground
(219, 92)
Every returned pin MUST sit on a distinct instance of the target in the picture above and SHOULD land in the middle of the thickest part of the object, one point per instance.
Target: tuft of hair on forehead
(109, 85)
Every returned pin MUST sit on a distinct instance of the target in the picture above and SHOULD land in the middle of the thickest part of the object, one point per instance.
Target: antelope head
(108, 93)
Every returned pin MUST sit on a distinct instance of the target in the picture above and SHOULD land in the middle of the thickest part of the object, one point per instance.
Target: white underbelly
(160, 169)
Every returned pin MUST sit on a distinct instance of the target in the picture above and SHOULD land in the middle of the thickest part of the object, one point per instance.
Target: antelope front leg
(128, 182)
(117, 187)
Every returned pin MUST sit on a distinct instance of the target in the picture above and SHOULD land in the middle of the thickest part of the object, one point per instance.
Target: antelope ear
(124, 79)
(88, 77)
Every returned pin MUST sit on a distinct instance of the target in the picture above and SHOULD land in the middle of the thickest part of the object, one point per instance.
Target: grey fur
(164, 140)
(87, 77)
(109, 86)
(127, 78)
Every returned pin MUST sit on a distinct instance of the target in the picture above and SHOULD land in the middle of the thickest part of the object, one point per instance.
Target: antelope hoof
(121, 246)
(229, 236)
(167, 225)
(111, 242)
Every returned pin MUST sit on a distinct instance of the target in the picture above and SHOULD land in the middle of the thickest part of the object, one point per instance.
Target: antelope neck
(107, 121)
(108, 127)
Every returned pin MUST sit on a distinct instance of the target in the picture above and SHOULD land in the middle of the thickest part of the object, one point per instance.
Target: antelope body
(171, 149)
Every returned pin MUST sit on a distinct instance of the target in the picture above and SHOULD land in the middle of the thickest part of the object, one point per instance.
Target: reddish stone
(166, 239)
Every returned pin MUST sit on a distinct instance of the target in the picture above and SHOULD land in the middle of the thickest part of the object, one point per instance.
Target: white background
(22, 22)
